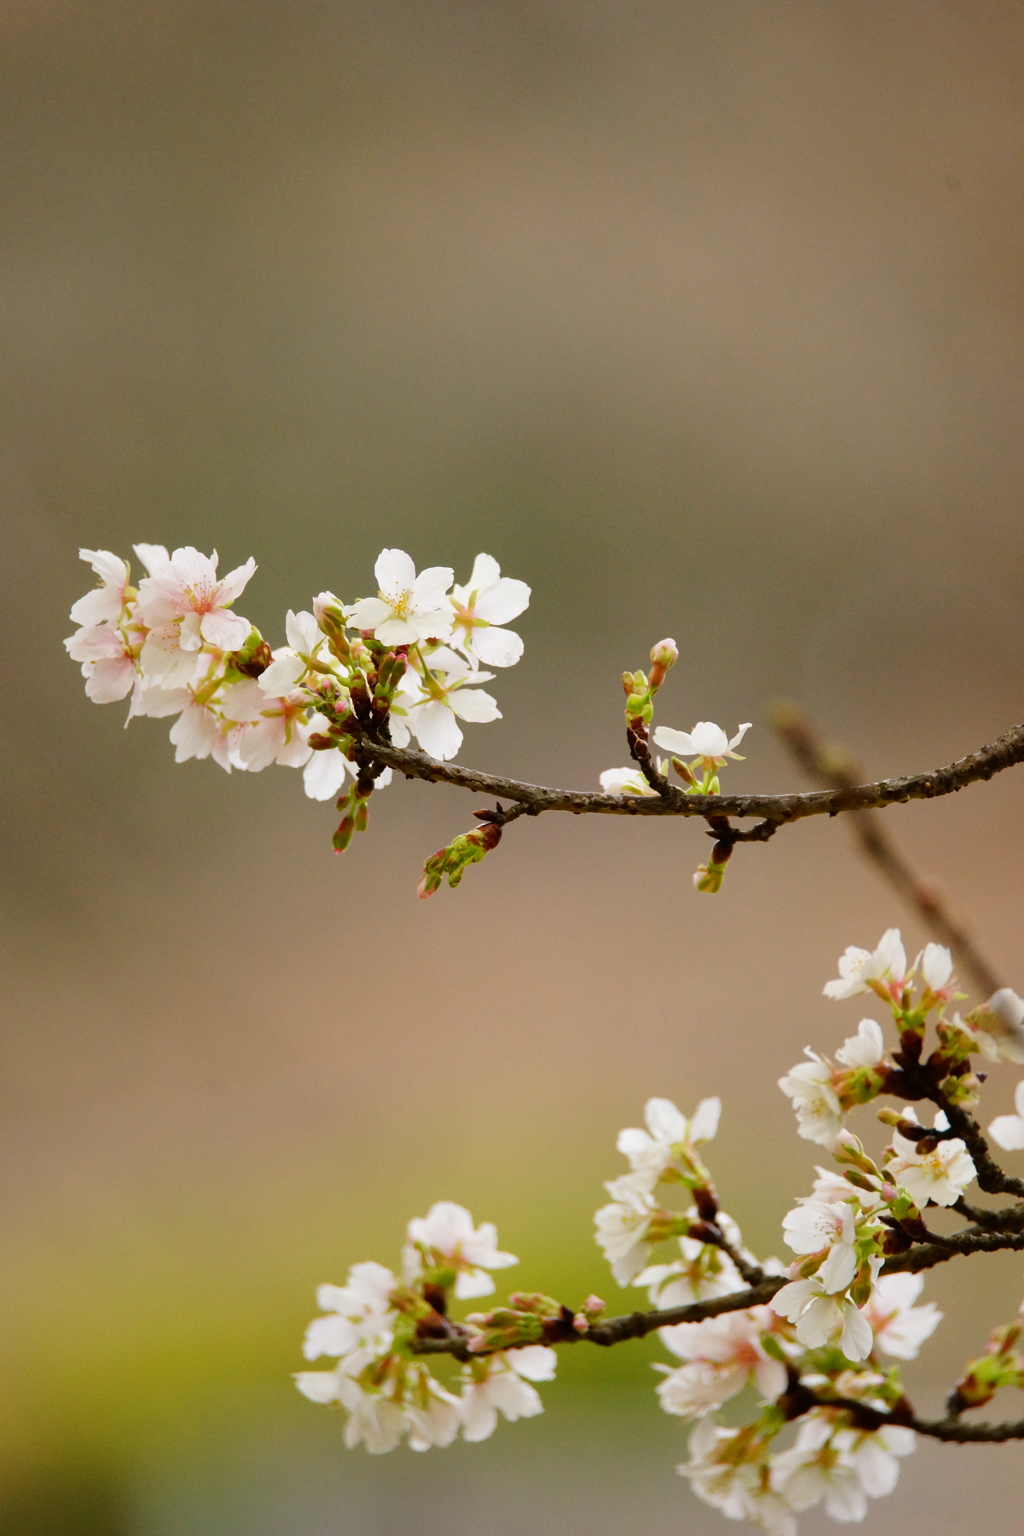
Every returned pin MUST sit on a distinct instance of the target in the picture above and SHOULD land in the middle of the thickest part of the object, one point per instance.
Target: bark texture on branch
(775, 810)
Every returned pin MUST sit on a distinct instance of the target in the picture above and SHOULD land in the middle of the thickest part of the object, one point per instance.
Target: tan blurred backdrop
(705, 319)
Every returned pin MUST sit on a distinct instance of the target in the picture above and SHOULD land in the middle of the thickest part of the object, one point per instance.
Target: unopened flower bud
(663, 656)
(708, 877)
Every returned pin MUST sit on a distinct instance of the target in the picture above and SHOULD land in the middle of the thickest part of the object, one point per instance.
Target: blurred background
(705, 320)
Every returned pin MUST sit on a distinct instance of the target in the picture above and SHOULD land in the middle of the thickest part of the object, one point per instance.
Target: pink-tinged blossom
(357, 1313)
(864, 1049)
(818, 1111)
(724, 1355)
(622, 1227)
(822, 1318)
(885, 966)
(446, 1236)
(432, 702)
(738, 1485)
(669, 1144)
(940, 1175)
(1007, 1131)
(108, 662)
(199, 732)
(706, 741)
(275, 729)
(104, 604)
(899, 1327)
(487, 601)
(184, 604)
(500, 1383)
(407, 608)
(814, 1227)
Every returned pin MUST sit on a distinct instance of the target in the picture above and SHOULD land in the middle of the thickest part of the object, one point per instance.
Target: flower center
(400, 601)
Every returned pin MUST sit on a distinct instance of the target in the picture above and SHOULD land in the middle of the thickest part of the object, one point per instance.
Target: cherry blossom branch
(951, 1428)
(775, 810)
(834, 767)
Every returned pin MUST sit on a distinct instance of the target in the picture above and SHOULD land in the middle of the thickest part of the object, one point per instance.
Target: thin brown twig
(837, 769)
(773, 810)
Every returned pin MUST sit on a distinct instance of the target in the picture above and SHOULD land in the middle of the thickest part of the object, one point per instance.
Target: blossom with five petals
(407, 607)
(824, 1318)
(809, 1085)
(997, 1026)
(723, 1354)
(670, 1141)
(487, 601)
(940, 1175)
(446, 1237)
(431, 701)
(814, 1227)
(184, 604)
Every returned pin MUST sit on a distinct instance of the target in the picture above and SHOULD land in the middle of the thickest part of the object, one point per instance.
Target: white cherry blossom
(1007, 1131)
(501, 1383)
(733, 1484)
(724, 1355)
(822, 1318)
(357, 1313)
(706, 741)
(104, 604)
(407, 607)
(623, 781)
(814, 1226)
(703, 1271)
(936, 967)
(291, 662)
(622, 1228)
(184, 604)
(833, 1187)
(899, 1327)
(941, 1175)
(864, 1049)
(432, 702)
(670, 1141)
(446, 1236)
(819, 1113)
(858, 968)
(485, 603)
(998, 1026)
(841, 1467)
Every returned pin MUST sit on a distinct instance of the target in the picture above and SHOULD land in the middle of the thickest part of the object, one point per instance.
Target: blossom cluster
(410, 660)
(826, 1327)
(822, 1338)
(370, 1325)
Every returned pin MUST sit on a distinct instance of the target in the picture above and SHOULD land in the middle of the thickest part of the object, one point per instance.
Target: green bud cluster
(452, 862)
